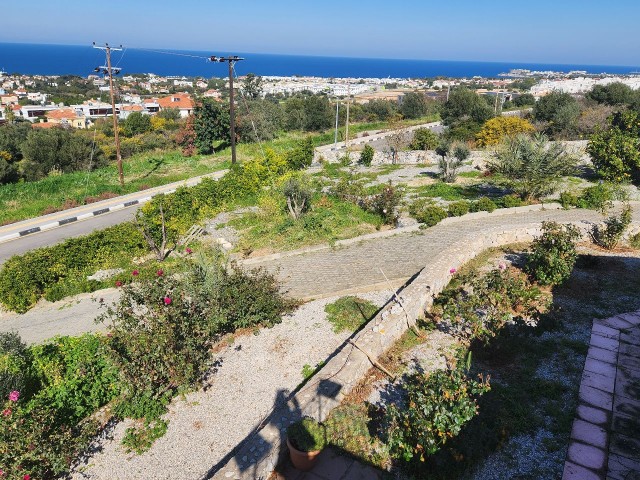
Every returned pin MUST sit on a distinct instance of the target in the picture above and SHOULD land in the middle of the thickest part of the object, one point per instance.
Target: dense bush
(366, 156)
(610, 233)
(301, 156)
(15, 365)
(46, 425)
(58, 149)
(496, 129)
(424, 139)
(438, 405)
(162, 329)
(457, 209)
(25, 278)
(616, 150)
(384, 203)
(553, 254)
(426, 212)
(483, 204)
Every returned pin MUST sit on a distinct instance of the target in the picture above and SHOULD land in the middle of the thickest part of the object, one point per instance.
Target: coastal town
(23, 96)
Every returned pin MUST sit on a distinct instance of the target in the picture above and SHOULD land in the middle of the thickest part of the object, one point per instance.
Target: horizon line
(151, 49)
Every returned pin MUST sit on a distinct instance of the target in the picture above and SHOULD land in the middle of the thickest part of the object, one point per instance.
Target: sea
(41, 59)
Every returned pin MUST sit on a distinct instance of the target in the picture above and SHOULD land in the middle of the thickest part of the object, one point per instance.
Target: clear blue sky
(558, 31)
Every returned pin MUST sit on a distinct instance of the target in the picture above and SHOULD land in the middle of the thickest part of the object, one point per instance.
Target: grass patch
(446, 191)
(348, 314)
(330, 219)
(19, 201)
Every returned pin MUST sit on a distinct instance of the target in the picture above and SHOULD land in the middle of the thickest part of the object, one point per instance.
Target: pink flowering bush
(163, 329)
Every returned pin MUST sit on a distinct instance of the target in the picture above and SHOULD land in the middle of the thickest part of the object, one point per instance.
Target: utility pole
(108, 70)
(231, 60)
(346, 133)
(335, 135)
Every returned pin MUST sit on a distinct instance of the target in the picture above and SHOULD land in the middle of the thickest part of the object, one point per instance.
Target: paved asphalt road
(57, 235)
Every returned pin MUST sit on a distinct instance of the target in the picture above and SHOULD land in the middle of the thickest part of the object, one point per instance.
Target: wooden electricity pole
(109, 70)
(231, 60)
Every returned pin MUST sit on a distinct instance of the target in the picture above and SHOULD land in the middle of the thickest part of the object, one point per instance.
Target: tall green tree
(616, 93)
(136, 124)
(211, 124)
(58, 148)
(414, 105)
(318, 113)
(464, 104)
(559, 112)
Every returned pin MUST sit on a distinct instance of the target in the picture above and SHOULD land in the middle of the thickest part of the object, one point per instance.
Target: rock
(101, 275)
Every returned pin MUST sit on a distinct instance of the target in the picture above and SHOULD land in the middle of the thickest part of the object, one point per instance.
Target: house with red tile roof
(181, 101)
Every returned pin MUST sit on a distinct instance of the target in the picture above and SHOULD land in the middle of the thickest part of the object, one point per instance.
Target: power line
(162, 52)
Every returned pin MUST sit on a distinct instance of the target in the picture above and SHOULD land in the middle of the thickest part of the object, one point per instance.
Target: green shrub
(426, 212)
(483, 204)
(439, 404)
(27, 277)
(568, 199)
(301, 156)
(609, 235)
(634, 241)
(510, 201)
(307, 435)
(15, 365)
(349, 313)
(34, 443)
(366, 156)
(479, 307)
(600, 197)
(554, 254)
(457, 209)
(384, 203)
(74, 376)
(164, 345)
(424, 139)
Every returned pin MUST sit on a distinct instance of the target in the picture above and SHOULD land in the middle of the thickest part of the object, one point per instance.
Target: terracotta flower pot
(303, 461)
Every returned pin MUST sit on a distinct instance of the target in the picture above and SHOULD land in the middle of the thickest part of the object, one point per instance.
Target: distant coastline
(40, 59)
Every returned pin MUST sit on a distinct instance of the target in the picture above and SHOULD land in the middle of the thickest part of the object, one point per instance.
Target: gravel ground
(254, 373)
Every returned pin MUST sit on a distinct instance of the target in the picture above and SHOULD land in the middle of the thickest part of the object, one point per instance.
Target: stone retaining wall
(258, 456)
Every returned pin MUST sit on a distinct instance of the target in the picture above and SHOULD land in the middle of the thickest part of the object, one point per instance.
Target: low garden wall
(257, 457)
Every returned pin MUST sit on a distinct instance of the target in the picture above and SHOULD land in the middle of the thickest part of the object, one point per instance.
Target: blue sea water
(82, 60)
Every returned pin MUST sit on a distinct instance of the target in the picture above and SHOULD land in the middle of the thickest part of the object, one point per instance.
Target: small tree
(136, 124)
(608, 235)
(211, 123)
(451, 158)
(532, 167)
(414, 105)
(496, 129)
(297, 191)
(366, 156)
(554, 254)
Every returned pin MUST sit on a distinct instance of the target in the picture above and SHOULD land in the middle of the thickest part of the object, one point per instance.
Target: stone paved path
(605, 439)
(354, 265)
(357, 265)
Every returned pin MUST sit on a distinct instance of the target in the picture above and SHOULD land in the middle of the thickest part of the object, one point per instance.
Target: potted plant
(306, 438)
